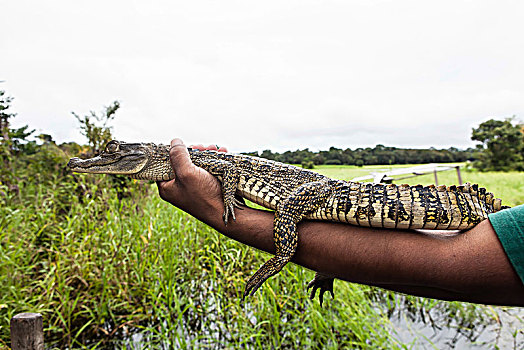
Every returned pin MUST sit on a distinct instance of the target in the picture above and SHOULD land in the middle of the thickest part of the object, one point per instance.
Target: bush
(333, 162)
(308, 164)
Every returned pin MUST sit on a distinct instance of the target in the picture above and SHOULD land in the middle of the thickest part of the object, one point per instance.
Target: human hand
(193, 190)
(200, 147)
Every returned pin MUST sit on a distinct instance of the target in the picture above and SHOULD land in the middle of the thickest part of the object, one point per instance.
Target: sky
(279, 75)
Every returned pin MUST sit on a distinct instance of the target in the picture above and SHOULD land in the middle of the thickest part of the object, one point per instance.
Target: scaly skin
(296, 194)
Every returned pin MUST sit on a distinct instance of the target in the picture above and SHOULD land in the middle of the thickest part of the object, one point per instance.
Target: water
(504, 331)
(436, 328)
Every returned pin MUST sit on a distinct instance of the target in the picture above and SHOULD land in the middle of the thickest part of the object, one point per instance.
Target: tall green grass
(112, 268)
(138, 272)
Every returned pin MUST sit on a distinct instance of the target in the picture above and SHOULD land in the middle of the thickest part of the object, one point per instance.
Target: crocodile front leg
(228, 175)
(302, 201)
(324, 282)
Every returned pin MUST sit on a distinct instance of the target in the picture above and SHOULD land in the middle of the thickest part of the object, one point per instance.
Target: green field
(509, 186)
(140, 273)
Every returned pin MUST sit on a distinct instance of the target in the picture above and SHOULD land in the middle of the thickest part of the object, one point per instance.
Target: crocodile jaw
(122, 165)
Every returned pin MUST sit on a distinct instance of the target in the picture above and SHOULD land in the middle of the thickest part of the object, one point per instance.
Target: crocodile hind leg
(302, 201)
(324, 282)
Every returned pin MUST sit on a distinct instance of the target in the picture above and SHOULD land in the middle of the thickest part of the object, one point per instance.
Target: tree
(502, 145)
(98, 132)
(12, 140)
(5, 104)
(95, 126)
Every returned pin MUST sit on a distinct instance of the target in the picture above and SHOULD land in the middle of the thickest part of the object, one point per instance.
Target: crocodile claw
(325, 283)
(229, 210)
(251, 287)
(270, 268)
(239, 204)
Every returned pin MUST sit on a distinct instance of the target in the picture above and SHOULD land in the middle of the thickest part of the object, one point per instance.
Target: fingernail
(175, 142)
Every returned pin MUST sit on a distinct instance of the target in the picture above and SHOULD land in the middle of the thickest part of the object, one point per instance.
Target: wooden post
(27, 332)
(458, 174)
(436, 178)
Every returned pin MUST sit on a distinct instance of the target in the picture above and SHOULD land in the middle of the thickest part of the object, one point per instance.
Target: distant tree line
(380, 155)
(501, 145)
(501, 148)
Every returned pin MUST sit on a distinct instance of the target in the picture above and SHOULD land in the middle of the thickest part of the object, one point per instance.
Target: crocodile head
(138, 160)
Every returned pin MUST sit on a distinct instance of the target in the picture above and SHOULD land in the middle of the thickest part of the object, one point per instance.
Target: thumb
(179, 157)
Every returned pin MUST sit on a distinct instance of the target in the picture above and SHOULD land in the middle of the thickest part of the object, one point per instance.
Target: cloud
(267, 75)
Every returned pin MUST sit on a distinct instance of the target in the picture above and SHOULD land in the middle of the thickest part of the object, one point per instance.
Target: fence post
(27, 332)
(458, 174)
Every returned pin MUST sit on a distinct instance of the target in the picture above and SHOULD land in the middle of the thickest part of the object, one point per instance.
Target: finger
(165, 190)
(222, 149)
(179, 157)
(161, 187)
(212, 147)
(164, 185)
(199, 147)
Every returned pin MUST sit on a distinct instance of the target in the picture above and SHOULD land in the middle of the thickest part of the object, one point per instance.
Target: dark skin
(470, 266)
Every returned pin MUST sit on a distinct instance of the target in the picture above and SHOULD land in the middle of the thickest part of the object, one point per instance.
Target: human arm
(469, 267)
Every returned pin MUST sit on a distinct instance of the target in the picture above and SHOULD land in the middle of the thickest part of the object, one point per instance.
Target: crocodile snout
(73, 162)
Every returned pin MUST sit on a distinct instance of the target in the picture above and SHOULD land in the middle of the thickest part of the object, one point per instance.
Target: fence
(387, 176)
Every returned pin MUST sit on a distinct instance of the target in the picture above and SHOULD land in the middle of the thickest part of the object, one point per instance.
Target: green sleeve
(509, 226)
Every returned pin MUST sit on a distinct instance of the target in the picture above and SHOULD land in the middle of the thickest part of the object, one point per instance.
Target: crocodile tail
(413, 207)
(451, 207)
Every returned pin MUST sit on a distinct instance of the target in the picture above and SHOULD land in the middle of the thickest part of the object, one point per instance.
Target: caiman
(296, 194)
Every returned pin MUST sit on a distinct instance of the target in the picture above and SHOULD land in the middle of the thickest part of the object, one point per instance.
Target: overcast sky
(277, 75)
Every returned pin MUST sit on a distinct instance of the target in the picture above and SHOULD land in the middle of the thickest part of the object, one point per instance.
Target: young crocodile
(296, 194)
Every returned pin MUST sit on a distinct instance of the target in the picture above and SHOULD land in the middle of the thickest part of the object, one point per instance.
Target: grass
(137, 272)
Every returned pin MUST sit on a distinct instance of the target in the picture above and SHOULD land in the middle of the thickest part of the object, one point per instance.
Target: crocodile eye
(112, 147)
